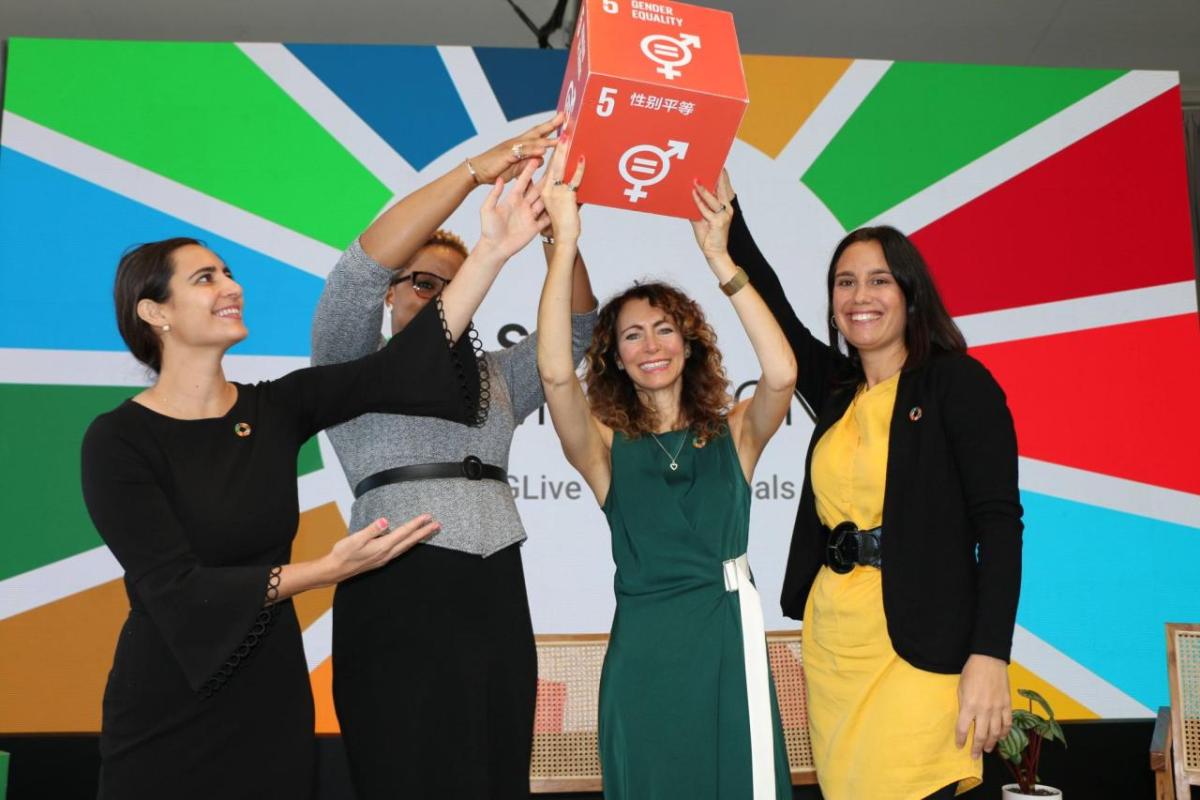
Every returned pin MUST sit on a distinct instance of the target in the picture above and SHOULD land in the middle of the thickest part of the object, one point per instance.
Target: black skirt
(435, 676)
(253, 736)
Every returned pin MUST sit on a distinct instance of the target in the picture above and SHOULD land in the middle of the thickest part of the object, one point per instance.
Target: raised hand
(508, 223)
(506, 160)
(716, 212)
(375, 545)
(559, 197)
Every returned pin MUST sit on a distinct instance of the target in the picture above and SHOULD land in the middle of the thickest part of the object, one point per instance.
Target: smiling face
(650, 346)
(204, 308)
(867, 302)
(405, 299)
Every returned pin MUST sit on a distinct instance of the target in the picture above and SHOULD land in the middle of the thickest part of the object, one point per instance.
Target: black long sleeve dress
(209, 694)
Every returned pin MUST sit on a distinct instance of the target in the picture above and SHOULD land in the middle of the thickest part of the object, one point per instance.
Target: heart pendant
(674, 466)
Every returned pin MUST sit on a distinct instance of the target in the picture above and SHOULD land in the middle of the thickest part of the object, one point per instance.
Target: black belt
(470, 468)
(847, 545)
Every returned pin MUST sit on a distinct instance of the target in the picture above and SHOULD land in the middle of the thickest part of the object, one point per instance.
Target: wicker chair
(1175, 748)
(565, 749)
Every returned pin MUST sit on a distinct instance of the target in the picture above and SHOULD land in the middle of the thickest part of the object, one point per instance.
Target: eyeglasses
(425, 284)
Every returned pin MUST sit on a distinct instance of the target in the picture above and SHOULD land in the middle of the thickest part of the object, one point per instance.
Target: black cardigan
(951, 508)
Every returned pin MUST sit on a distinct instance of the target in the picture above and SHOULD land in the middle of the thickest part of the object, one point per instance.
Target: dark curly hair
(611, 393)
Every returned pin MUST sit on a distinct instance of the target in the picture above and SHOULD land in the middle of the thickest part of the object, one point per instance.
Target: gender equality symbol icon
(670, 52)
(569, 101)
(645, 165)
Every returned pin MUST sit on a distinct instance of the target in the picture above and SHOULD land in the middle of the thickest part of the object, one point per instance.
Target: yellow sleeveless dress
(881, 728)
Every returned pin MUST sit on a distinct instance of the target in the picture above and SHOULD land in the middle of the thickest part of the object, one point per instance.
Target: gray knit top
(478, 517)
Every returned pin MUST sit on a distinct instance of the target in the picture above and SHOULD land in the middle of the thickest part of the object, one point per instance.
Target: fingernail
(381, 523)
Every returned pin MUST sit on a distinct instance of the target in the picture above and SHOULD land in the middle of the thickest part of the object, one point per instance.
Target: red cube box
(653, 95)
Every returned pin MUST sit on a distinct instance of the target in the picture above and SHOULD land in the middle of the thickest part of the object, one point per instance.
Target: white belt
(758, 677)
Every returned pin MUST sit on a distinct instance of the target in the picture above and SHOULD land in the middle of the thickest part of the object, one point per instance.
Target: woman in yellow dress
(905, 560)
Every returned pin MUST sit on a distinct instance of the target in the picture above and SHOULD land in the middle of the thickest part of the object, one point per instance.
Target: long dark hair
(929, 329)
(144, 273)
(614, 398)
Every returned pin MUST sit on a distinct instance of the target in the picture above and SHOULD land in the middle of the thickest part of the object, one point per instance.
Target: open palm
(712, 229)
(559, 196)
(508, 222)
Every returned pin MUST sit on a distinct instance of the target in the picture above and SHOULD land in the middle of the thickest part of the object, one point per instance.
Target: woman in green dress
(687, 708)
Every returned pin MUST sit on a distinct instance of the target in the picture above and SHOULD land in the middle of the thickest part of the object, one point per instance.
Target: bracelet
(735, 284)
(471, 169)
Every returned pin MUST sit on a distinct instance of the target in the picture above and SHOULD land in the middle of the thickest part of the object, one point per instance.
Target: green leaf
(1025, 720)
(1013, 745)
(1034, 697)
(1056, 733)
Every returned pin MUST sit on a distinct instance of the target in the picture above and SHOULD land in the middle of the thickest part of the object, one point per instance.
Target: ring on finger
(518, 151)
(558, 183)
(722, 208)
(573, 188)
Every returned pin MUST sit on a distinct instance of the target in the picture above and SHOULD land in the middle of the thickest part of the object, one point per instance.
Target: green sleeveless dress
(675, 718)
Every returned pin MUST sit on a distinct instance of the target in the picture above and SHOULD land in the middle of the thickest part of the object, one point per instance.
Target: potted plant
(1022, 747)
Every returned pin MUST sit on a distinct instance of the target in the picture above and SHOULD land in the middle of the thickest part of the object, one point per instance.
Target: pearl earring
(166, 328)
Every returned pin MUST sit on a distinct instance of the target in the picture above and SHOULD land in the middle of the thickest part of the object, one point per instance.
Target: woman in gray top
(435, 670)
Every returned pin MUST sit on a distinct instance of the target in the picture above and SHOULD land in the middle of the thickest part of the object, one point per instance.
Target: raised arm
(346, 324)
(518, 364)
(582, 299)
(585, 441)
(414, 374)
(395, 237)
(816, 361)
(506, 225)
(753, 421)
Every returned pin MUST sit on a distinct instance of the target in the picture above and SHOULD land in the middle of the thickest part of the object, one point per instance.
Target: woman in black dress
(192, 484)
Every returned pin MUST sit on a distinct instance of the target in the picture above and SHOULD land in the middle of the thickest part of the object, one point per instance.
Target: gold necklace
(678, 450)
